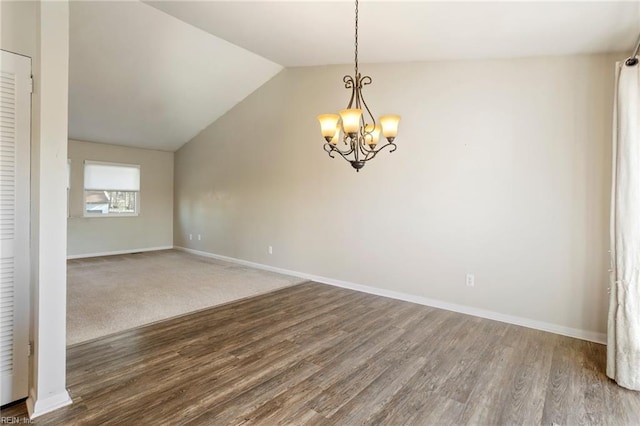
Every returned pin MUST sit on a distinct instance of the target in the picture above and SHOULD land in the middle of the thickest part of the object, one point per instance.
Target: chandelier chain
(356, 43)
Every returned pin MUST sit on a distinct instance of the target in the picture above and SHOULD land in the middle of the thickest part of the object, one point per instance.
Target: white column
(49, 211)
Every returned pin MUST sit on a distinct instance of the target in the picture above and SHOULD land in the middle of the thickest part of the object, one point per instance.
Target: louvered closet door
(15, 118)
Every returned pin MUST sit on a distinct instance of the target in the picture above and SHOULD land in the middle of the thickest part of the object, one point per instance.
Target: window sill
(92, 216)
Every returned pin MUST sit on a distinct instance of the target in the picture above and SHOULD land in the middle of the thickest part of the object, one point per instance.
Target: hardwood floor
(316, 354)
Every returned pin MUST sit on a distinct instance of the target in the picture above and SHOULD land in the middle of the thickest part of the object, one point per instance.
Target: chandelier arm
(362, 145)
(373, 120)
(369, 156)
(388, 144)
(372, 153)
(348, 81)
(347, 152)
(349, 84)
(367, 150)
(356, 92)
(377, 148)
(330, 149)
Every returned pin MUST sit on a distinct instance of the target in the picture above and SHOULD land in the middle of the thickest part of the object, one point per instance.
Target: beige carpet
(114, 293)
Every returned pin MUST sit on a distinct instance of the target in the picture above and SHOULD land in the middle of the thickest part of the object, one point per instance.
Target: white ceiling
(142, 78)
(154, 75)
(321, 32)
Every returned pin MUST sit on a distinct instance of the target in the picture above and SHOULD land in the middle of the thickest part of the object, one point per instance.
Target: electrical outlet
(471, 280)
(270, 250)
(199, 237)
(191, 236)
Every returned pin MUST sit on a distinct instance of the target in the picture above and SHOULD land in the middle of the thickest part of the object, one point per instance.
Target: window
(111, 189)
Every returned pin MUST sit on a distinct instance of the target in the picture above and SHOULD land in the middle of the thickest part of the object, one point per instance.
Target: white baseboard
(112, 253)
(38, 407)
(591, 336)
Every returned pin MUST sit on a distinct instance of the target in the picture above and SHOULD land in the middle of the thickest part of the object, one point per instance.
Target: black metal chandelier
(360, 132)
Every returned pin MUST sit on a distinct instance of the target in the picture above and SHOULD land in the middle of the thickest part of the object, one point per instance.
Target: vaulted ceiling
(142, 78)
(154, 74)
(321, 32)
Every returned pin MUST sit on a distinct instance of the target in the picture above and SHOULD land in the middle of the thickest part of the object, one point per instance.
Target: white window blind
(111, 177)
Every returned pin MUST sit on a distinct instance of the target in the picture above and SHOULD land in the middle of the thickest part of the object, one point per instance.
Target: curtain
(623, 337)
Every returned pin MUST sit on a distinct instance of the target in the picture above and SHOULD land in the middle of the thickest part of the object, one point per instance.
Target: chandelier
(356, 124)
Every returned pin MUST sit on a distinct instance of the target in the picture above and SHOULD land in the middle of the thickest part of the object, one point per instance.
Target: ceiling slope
(153, 75)
(303, 33)
(142, 78)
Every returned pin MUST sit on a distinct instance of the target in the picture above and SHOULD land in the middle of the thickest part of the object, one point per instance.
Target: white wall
(502, 170)
(18, 32)
(40, 30)
(153, 228)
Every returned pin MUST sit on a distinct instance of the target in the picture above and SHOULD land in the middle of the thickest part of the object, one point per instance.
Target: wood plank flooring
(315, 354)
